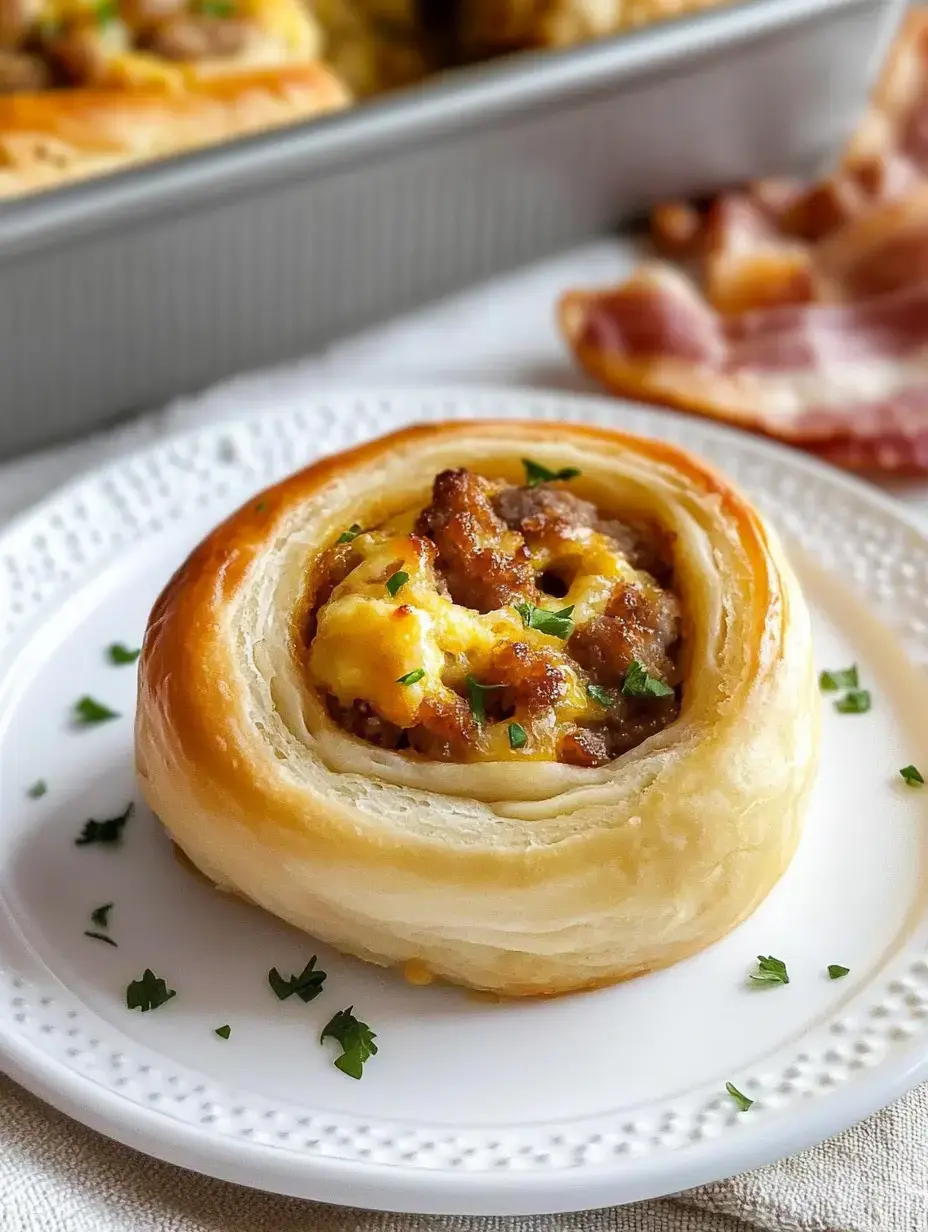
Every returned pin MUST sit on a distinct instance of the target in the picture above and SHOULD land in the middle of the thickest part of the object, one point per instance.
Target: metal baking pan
(119, 293)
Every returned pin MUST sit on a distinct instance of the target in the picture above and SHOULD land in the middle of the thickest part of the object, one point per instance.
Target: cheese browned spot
(442, 667)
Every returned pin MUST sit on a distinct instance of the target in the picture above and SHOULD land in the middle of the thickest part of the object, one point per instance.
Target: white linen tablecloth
(56, 1176)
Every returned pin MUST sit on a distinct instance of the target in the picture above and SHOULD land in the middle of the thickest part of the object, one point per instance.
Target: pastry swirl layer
(519, 876)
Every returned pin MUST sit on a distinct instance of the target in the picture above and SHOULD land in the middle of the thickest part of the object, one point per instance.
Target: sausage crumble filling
(499, 622)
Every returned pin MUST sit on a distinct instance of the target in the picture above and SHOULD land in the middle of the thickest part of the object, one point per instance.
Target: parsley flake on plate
(912, 776)
(120, 654)
(148, 993)
(223, 1032)
(87, 710)
(601, 696)
(855, 702)
(307, 985)
(770, 970)
(105, 12)
(535, 473)
(517, 736)
(835, 972)
(108, 831)
(101, 915)
(843, 678)
(477, 693)
(37, 790)
(555, 624)
(412, 677)
(351, 533)
(741, 1100)
(355, 1038)
(639, 682)
(217, 8)
(396, 582)
(99, 937)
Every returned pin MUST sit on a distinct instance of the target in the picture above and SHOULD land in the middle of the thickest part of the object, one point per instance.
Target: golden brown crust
(54, 137)
(526, 880)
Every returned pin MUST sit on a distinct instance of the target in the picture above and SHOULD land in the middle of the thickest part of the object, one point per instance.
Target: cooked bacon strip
(850, 380)
(886, 157)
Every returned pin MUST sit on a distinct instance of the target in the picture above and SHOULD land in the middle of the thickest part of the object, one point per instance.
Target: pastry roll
(92, 86)
(50, 139)
(528, 707)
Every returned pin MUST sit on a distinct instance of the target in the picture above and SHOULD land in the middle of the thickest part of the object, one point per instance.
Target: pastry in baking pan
(378, 45)
(197, 73)
(529, 706)
(488, 26)
(63, 44)
(51, 138)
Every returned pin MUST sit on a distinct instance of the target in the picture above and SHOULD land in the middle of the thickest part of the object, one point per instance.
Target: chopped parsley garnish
(517, 736)
(148, 993)
(120, 654)
(88, 710)
(351, 533)
(260, 507)
(599, 695)
(741, 1100)
(355, 1038)
(477, 693)
(835, 972)
(844, 678)
(108, 831)
(106, 11)
(216, 8)
(535, 473)
(307, 985)
(912, 776)
(38, 788)
(223, 1032)
(556, 624)
(100, 937)
(396, 581)
(412, 677)
(639, 682)
(855, 702)
(770, 970)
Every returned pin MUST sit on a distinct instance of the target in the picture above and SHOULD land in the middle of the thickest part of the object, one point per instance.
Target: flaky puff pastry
(57, 137)
(523, 879)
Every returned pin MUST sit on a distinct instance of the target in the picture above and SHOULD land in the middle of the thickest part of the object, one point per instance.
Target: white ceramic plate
(469, 1106)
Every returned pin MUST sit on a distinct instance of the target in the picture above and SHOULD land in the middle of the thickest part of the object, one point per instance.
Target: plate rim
(386, 1186)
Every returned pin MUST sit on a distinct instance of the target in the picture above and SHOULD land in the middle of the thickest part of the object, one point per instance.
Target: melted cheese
(367, 639)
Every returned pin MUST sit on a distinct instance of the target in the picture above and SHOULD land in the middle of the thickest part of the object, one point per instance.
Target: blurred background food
(373, 45)
(493, 27)
(49, 44)
(377, 45)
(53, 52)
